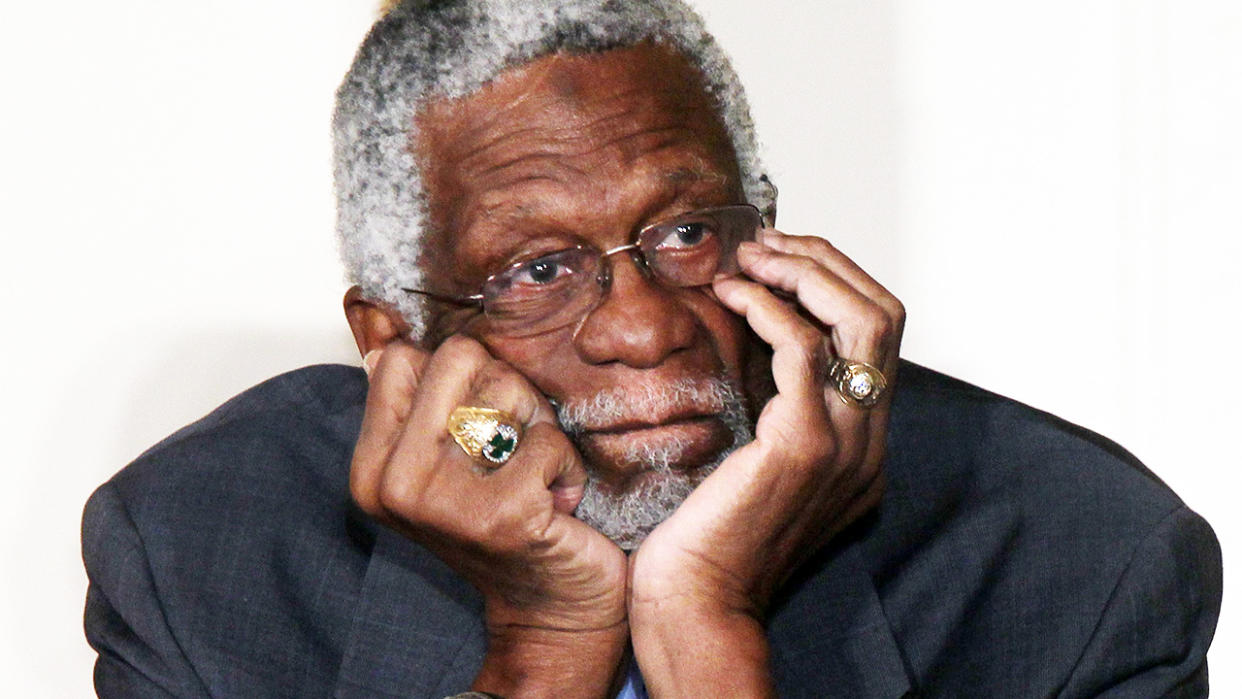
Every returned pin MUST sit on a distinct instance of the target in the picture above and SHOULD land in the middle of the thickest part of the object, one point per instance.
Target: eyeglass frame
(604, 275)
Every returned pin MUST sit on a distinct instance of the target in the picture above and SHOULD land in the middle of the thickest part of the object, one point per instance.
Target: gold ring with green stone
(485, 434)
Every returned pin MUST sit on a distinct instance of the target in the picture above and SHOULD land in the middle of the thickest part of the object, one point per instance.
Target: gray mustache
(625, 404)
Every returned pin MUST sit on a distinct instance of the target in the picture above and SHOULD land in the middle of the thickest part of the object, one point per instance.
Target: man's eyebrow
(501, 214)
(508, 211)
(684, 176)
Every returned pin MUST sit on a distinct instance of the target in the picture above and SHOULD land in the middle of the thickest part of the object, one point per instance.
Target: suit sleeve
(139, 656)
(1152, 637)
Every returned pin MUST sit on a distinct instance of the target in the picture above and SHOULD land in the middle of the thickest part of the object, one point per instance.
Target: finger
(461, 374)
(859, 327)
(781, 326)
(799, 352)
(837, 262)
(546, 463)
(410, 471)
(498, 385)
(448, 380)
(507, 509)
(863, 429)
(390, 397)
(860, 330)
(879, 339)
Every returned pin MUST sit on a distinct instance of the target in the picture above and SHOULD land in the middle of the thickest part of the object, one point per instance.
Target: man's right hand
(553, 588)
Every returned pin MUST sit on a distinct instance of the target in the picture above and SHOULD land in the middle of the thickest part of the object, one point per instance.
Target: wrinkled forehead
(565, 111)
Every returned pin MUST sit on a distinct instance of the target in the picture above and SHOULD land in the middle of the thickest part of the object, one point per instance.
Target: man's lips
(686, 442)
(631, 427)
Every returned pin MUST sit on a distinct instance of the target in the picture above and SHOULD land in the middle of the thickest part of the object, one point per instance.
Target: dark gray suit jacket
(1013, 555)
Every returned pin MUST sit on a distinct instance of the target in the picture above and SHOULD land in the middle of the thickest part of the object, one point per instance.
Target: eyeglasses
(554, 290)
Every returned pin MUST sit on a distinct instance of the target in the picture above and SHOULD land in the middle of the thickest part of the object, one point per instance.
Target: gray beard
(628, 517)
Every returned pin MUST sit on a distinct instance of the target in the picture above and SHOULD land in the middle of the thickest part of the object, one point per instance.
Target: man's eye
(540, 272)
(686, 235)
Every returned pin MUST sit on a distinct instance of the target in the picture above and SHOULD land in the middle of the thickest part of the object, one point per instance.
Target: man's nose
(639, 322)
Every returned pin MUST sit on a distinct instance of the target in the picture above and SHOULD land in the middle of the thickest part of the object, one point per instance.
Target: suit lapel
(830, 637)
(417, 629)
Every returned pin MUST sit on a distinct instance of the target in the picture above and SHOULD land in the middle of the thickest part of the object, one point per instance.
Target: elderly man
(620, 435)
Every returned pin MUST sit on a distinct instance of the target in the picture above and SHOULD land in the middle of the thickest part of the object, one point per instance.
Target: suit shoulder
(244, 515)
(321, 389)
(294, 429)
(1022, 527)
(987, 444)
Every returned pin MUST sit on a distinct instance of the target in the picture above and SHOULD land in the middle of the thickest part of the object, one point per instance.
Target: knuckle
(546, 447)
(536, 448)
(490, 380)
(363, 492)
(461, 348)
(363, 481)
(872, 325)
(506, 378)
(809, 341)
(817, 245)
(500, 384)
(896, 310)
(808, 350)
(400, 495)
(406, 353)
(807, 266)
(393, 499)
(895, 324)
(883, 329)
(877, 320)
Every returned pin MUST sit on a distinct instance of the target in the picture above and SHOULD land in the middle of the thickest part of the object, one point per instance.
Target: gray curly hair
(423, 50)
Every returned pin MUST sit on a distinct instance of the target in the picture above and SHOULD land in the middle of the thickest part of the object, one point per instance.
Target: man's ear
(374, 324)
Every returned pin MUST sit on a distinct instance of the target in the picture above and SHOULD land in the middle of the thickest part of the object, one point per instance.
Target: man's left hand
(700, 583)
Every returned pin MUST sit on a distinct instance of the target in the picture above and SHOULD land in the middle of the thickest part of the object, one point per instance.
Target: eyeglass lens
(554, 290)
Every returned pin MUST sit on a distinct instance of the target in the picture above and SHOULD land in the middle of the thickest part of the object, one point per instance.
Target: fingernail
(370, 361)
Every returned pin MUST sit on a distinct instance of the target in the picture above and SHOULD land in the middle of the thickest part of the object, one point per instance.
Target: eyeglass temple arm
(471, 300)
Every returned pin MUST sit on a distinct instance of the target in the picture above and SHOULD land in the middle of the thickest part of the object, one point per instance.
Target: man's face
(571, 150)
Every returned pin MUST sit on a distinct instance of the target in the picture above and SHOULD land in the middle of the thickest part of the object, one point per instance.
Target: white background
(1053, 188)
